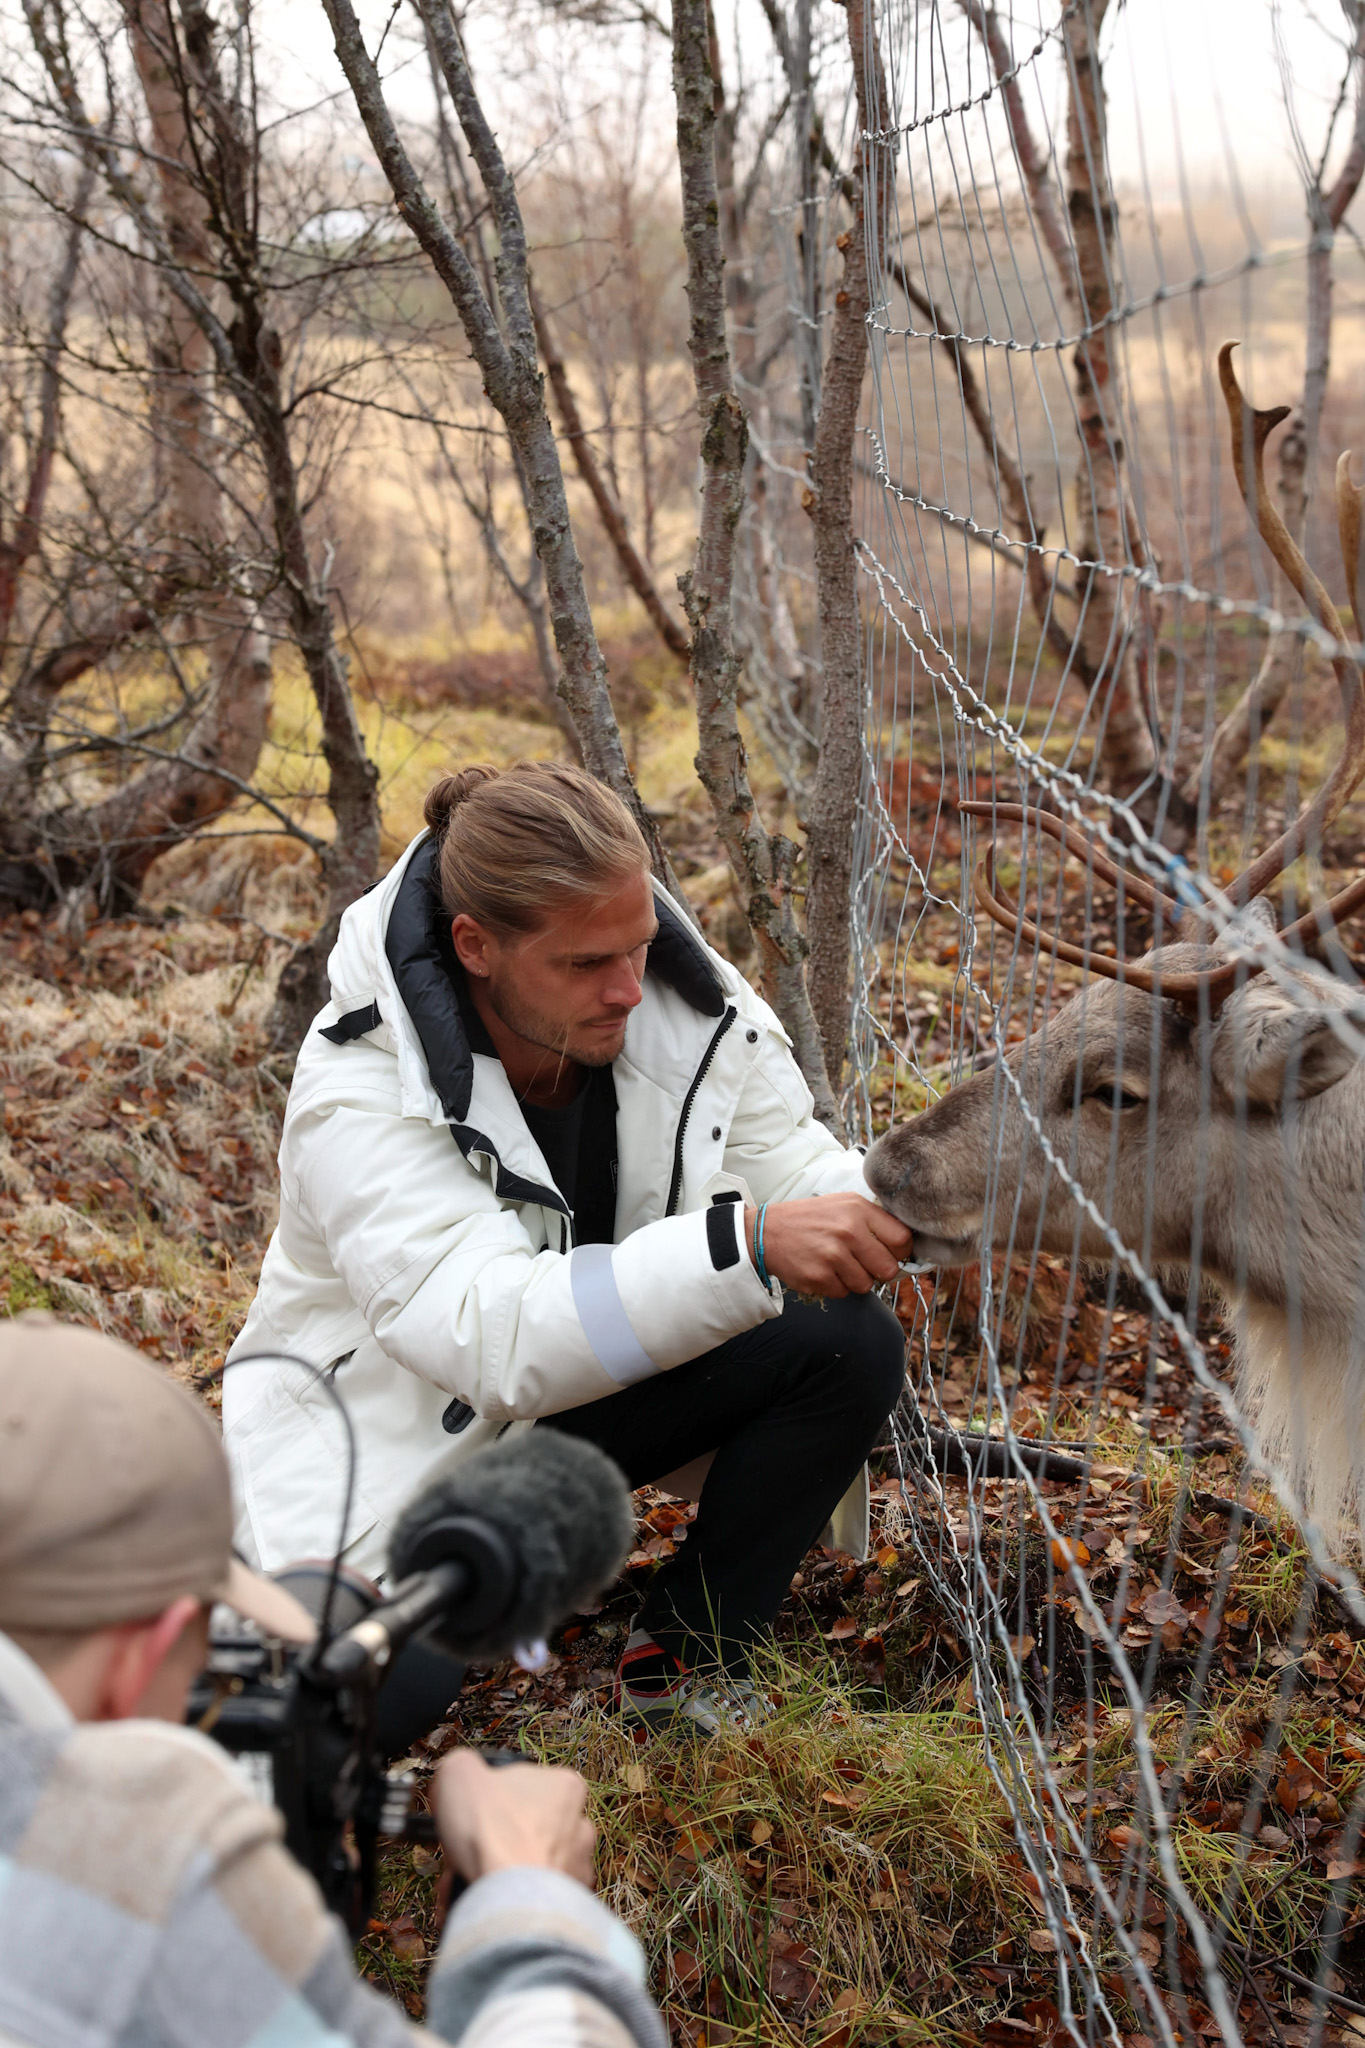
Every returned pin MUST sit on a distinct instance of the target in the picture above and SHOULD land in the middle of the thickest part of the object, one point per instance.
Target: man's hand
(518, 1814)
(830, 1245)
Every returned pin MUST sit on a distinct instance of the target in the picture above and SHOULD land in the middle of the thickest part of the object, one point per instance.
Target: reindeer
(1214, 1117)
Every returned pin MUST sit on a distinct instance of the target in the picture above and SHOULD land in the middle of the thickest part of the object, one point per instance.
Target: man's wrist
(755, 1231)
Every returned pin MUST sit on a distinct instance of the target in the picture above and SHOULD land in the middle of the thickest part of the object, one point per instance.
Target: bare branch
(23, 542)
(633, 567)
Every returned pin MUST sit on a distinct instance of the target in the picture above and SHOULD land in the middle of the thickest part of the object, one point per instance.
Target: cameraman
(145, 1894)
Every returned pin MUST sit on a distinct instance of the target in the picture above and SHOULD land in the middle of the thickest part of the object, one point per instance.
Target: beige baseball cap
(114, 1494)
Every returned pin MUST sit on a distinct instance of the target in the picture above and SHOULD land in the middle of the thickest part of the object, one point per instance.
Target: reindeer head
(1161, 1116)
(1165, 1087)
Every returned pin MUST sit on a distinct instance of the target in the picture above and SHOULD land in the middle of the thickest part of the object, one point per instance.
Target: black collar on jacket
(422, 957)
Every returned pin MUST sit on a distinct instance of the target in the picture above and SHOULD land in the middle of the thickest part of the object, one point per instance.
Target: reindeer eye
(1117, 1098)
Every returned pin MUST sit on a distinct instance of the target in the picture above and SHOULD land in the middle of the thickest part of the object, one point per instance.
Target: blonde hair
(516, 842)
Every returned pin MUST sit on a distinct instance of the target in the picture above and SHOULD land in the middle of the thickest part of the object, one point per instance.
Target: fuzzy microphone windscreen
(560, 1507)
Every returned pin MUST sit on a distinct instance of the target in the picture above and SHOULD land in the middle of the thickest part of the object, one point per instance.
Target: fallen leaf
(1043, 1940)
(1341, 1866)
(886, 1558)
(843, 1628)
(1020, 1646)
(1161, 1606)
(883, 1902)
(426, 1862)
(406, 1939)
(903, 1592)
(685, 1970)
(635, 1777)
(790, 1982)
(1149, 1948)
(852, 1797)
(1045, 2020)
(1287, 1796)
(1273, 1838)
(1068, 1551)
(1125, 1838)
(761, 1832)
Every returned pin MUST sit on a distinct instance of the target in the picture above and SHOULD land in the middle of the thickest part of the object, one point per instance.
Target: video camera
(485, 1561)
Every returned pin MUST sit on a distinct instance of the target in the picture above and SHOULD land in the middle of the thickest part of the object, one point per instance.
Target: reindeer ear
(1269, 1050)
(1251, 927)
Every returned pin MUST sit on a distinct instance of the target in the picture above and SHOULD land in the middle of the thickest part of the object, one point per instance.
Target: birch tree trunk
(762, 863)
(27, 529)
(1079, 236)
(100, 853)
(204, 243)
(510, 372)
(838, 775)
(1105, 636)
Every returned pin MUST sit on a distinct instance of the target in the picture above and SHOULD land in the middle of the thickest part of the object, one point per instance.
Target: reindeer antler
(1213, 984)
(1250, 430)
(1075, 841)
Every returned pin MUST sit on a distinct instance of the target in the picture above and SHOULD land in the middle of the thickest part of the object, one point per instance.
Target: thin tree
(207, 235)
(839, 771)
(1078, 228)
(763, 862)
(502, 340)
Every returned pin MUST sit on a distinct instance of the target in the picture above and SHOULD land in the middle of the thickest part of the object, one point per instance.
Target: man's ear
(140, 1650)
(1270, 1050)
(470, 941)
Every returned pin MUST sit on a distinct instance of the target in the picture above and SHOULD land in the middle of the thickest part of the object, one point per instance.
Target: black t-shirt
(577, 1140)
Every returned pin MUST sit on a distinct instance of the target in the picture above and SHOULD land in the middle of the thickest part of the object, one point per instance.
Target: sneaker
(654, 1688)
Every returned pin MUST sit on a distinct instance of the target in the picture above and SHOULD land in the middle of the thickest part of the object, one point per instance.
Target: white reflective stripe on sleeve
(602, 1313)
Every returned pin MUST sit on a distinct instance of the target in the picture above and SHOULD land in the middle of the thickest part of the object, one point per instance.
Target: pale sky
(1172, 63)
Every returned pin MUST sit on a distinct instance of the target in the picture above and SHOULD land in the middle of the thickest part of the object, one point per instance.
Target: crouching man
(548, 1158)
(145, 1895)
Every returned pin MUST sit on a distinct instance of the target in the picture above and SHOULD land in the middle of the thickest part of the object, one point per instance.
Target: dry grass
(835, 1862)
(137, 1153)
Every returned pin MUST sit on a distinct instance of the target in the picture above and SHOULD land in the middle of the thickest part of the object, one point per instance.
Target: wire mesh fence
(1134, 1445)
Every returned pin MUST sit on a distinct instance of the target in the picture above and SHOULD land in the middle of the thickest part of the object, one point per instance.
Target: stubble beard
(548, 1033)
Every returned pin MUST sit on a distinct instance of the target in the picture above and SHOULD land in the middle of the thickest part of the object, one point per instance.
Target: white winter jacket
(424, 1262)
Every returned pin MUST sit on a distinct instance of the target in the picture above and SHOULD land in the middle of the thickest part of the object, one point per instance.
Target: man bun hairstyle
(515, 843)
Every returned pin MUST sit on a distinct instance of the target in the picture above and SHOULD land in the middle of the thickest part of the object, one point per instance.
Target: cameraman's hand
(519, 1814)
(830, 1245)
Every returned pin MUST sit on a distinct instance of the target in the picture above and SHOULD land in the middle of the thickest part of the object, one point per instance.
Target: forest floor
(854, 1870)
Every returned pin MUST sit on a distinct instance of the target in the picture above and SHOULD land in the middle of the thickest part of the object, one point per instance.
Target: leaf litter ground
(850, 1872)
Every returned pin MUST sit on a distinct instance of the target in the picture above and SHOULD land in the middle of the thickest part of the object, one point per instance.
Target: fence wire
(1134, 1443)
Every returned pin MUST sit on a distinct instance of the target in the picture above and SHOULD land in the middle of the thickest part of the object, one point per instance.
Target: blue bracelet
(758, 1247)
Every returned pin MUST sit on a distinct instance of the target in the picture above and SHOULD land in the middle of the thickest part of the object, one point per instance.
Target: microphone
(495, 1553)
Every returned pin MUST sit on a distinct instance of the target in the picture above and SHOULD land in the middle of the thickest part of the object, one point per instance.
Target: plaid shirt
(147, 1901)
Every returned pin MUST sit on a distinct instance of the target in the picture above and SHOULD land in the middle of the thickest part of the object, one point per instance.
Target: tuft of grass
(832, 1863)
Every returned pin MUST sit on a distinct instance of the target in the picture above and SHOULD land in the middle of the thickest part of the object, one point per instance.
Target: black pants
(791, 1410)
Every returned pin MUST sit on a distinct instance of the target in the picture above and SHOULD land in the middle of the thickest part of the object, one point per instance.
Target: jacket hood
(394, 950)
